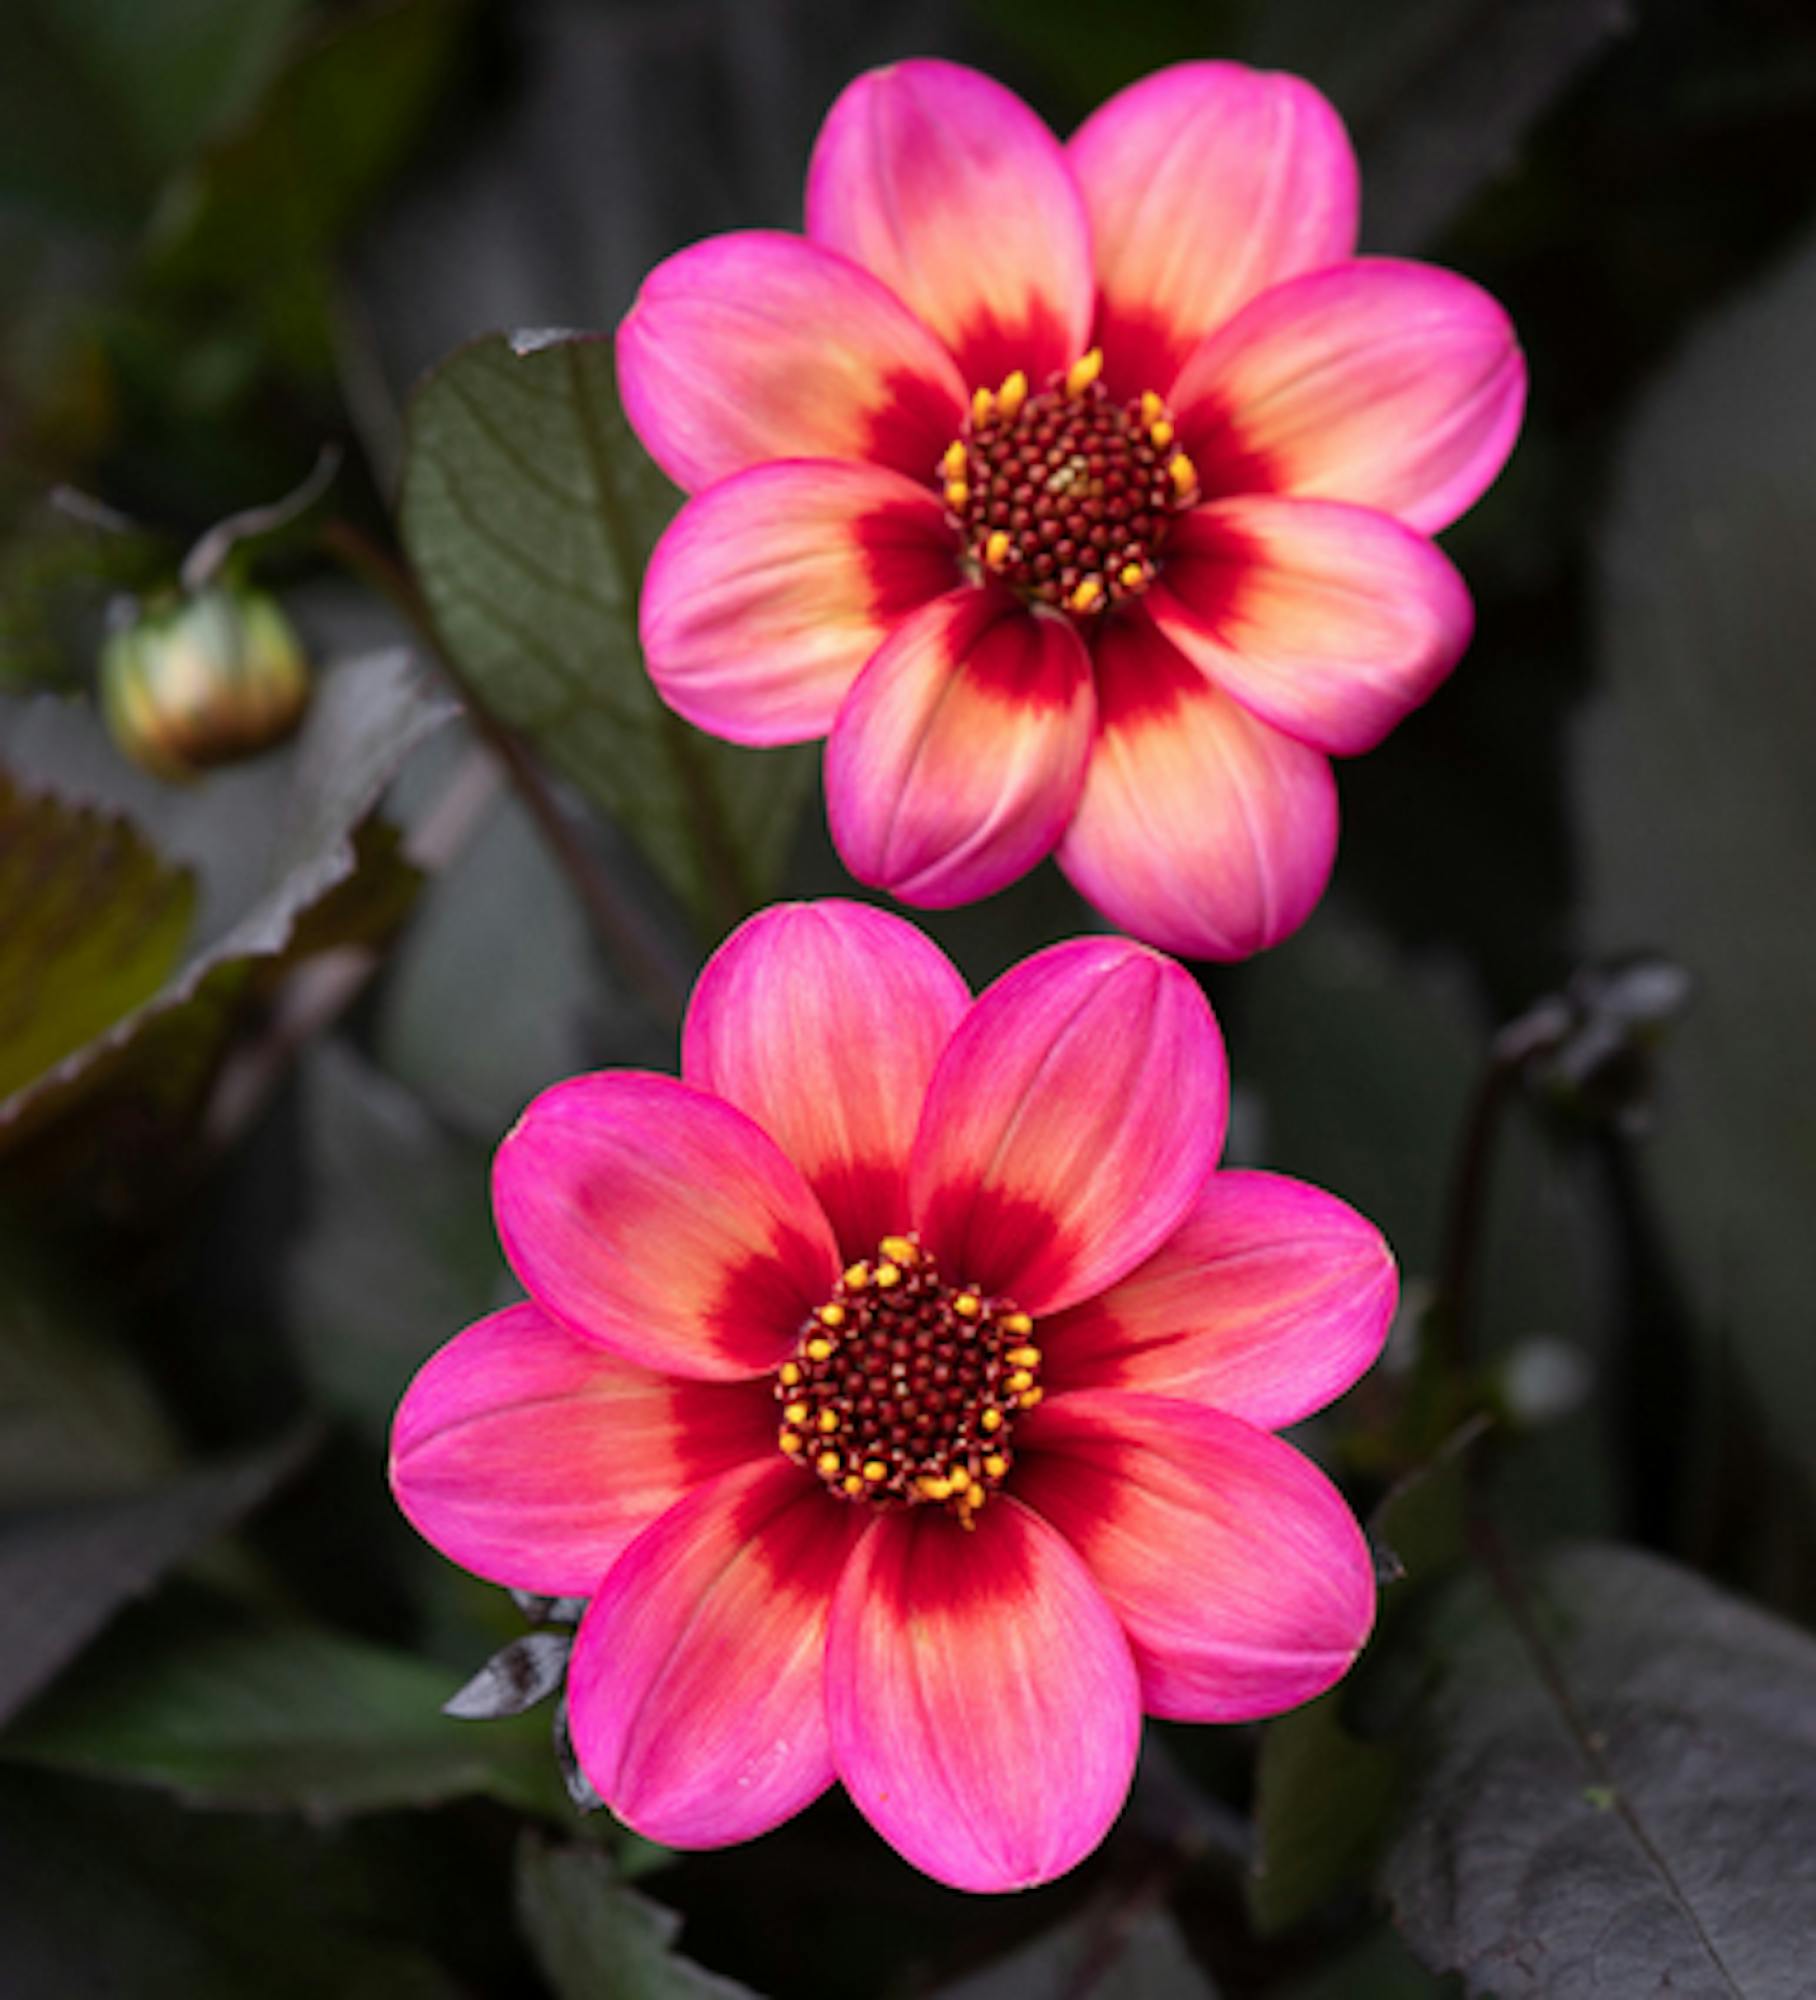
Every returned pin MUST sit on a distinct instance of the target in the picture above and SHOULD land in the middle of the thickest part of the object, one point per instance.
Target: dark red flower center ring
(904, 1389)
(1064, 493)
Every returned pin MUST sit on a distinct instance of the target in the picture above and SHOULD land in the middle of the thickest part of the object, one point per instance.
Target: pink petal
(1270, 1299)
(1393, 385)
(824, 1021)
(1070, 1123)
(662, 1224)
(1206, 183)
(981, 1698)
(771, 589)
(1239, 1574)
(1200, 828)
(957, 758)
(1330, 622)
(959, 198)
(532, 1457)
(759, 345)
(695, 1693)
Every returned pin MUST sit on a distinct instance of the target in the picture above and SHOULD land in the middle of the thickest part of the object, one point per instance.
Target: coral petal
(695, 1693)
(1200, 828)
(1071, 1122)
(771, 590)
(532, 1457)
(981, 1698)
(1206, 183)
(824, 1022)
(958, 756)
(1270, 1299)
(661, 1223)
(959, 198)
(1240, 1576)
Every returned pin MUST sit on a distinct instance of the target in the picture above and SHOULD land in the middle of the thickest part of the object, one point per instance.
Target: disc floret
(904, 1390)
(1064, 493)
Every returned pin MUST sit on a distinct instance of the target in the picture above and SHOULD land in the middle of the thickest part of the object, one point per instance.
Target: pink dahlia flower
(899, 1387)
(1080, 494)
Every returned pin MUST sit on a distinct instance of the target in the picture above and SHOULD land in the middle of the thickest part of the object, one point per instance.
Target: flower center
(905, 1389)
(1063, 493)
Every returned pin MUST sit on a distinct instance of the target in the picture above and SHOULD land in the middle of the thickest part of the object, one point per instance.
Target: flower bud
(203, 680)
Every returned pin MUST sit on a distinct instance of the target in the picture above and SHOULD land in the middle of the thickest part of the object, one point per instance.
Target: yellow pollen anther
(1012, 395)
(983, 406)
(996, 548)
(1132, 577)
(1084, 371)
(1018, 1326)
(996, 1465)
(1183, 473)
(1160, 434)
(1023, 1357)
(992, 1420)
(1020, 1382)
(1087, 596)
(857, 1276)
(898, 1249)
(827, 1464)
(1031, 1398)
(936, 1488)
(875, 1471)
(829, 1420)
(833, 1315)
(789, 1374)
(967, 1305)
(959, 1479)
(1152, 408)
(790, 1441)
(888, 1276)
(818, 1350)
(957, 493)
(953, 464)
(852, 1484)
(796, 1413)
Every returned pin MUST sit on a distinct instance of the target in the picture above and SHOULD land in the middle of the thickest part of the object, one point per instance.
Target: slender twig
(621, 928)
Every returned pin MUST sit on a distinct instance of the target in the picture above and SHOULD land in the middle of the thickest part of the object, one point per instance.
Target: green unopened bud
(204, 680)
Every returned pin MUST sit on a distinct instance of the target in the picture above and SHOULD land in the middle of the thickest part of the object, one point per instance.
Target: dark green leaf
(229, 1712)
(65, 1571)
(1614, 1788)
(596, 1939)
(1700, 819)
(92, 921)
(1102, 1955)
(529, 511)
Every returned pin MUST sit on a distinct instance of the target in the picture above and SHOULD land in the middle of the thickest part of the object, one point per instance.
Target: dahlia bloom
(1079, 494)
(899, 1387)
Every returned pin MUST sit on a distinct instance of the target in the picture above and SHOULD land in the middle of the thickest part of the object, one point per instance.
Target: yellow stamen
(1160, 435)
(1023, 1357)
(983, 406)
(829, 1420)
(957, 495)
(1018, 1325)
(827, 1464)
(888, 1276)
(996, 1465)
(1087, 596)
(796, 1413)
(1133, 576)
(818, 1350)
(996, 548)
(857, 1276)
(1084, 371)
(790, 1441)
(1019, 1382)
(789, 1374)
(992, 1420)
(1012, 395)
(875, 1471)
(898, 1249)
(953, 464)
(967, 1305)
(935, 1488)
(960, 1478)
(852, 1484)
(833, 1315)
(1183, 473)
(1031, 1398)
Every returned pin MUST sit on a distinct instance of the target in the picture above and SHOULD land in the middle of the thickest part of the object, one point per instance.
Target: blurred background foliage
(259, 1033)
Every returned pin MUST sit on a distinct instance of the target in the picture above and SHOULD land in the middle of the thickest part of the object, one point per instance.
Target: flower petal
(1393, 385)
(1070, 1123)
(661, 1223)
(1206, 183)
(957, 758)
(695, 1692)
(959, 198)
(1330, 622)
(824, 1022)
(1270, 1299)
(770, 591)
(533, 1458)
(1199, 828)
(760, 345)
(981, 1698)
(1239, 1574)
